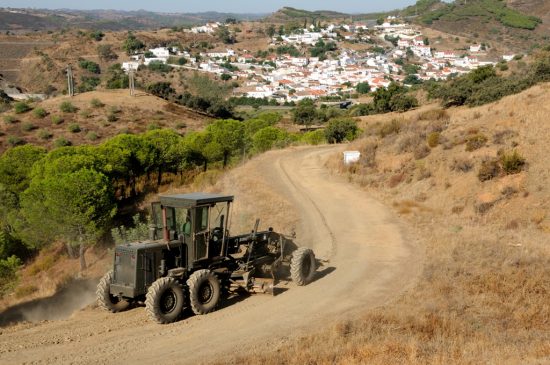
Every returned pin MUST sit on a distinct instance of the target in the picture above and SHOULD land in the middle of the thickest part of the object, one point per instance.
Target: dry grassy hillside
(484, 294)
(98, 115)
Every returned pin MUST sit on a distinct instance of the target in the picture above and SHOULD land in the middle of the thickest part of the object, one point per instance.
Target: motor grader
(191, 260)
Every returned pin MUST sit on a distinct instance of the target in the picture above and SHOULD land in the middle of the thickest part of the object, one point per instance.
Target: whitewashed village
(284, 77)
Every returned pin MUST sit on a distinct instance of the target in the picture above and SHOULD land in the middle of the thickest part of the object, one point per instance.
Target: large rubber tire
(107, 301)
(164, 300)
(204, 291)
(303, 266)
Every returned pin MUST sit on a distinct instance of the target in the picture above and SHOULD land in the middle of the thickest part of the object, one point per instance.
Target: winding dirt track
(371, 260)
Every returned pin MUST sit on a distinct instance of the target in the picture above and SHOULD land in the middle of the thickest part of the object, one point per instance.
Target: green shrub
(475, 142)
(15, 141)
(21, 107)
(267, 138)
(512, 162)
(340, 130)
(73, 128)
(392, 127)
(88, 83)
(56, 119)
(92, 136)
(40, 113)
(139, 231)
(62, 142)
(433, 139)
(27, 127)
(96, 103)
(111, 117)
(314, 137)
(9, 119)
(89, 66)
(153, 126)
(67, 107)
(488, 170)
(44, 134)
(8, 273)
(116, 109)
(157, 66)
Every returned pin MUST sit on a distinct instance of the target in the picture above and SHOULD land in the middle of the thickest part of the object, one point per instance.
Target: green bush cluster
(89, 66)
(483, 85)
(475, 142)
(340, 130)
(484, 9)
(117, 78)
(512, 162)
(67, 107)
(158, 66)
(40, 113)
(508, 163)
(21, 107)
(88, 83)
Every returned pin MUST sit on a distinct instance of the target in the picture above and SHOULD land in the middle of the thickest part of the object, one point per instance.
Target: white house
(403, 43)
(422, 51)
(130, 66)
(160, 52)
(445, 54)
(475, 48)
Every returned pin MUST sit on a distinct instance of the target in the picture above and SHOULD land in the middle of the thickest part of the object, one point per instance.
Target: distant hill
(288, 14)
(517, 25)
(41, 19)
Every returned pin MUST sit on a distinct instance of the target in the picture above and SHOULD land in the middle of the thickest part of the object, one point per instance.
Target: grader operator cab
(191, 260)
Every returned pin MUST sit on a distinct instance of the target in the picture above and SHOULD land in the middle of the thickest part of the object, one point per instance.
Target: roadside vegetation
(75, 194)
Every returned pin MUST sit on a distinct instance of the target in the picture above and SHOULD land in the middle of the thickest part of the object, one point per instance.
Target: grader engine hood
(124, 275)
(134, 268)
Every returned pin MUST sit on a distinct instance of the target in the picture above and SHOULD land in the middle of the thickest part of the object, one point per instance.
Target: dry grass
(130, 114)
(484, 294)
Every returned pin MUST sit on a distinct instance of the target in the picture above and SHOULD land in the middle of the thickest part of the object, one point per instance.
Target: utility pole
(70, 80)
(131, 82)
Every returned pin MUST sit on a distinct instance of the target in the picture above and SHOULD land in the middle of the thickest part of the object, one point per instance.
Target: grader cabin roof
(193, 199)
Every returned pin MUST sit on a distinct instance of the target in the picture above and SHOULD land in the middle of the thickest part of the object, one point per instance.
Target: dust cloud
(76, 295)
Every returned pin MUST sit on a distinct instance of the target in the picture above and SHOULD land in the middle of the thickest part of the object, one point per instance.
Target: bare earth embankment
(371, 260)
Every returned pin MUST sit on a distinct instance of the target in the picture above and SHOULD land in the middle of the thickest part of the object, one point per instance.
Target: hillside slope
(288, 14)
(484, 291)
(24, 20)
(117, 112)
(515, 28)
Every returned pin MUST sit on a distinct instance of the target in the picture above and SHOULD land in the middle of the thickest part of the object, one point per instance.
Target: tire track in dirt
(373, 262)
(294, 185)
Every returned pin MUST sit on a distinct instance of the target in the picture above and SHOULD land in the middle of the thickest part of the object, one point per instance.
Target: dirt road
(371, 260)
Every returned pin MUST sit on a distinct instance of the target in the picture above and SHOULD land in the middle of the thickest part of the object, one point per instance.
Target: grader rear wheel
(204, 291)
(303, 266)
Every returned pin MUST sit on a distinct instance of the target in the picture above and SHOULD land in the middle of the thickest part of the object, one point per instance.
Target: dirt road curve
(371, 261)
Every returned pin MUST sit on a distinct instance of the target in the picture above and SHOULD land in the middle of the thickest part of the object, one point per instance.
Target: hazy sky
(237, 6)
